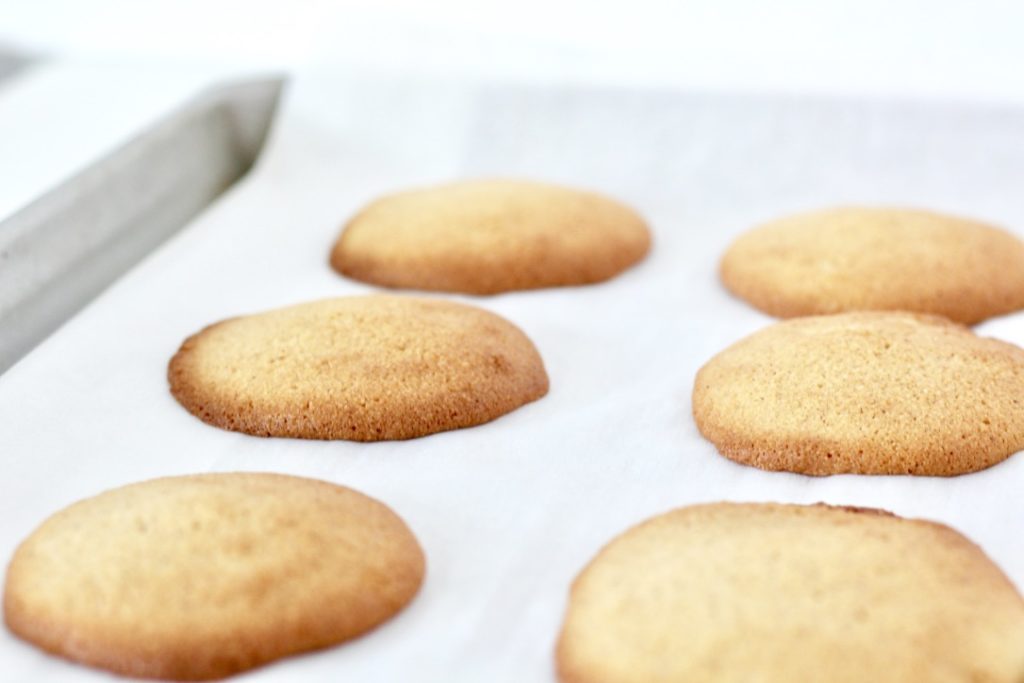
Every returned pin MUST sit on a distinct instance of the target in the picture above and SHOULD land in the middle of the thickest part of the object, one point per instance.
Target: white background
(121, 61)
(968, 49)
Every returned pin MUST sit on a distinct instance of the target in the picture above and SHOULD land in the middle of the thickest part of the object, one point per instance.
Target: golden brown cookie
(850, 259)
(791, 594)
(200, 577)
(359, 368)
(489, 236)
(865, 393)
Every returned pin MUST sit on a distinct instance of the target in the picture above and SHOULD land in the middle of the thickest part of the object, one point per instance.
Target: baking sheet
(62, 249)
(510, 511)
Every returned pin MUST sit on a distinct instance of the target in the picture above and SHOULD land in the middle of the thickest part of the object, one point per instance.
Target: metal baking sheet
(12, 63)
(510, 511)
(62, 249)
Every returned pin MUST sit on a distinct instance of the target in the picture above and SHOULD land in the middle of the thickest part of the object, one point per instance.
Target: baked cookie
(200, 577)
(849, 259)
(358, 368)
(490, 236)
(791, 594)
(864, 393)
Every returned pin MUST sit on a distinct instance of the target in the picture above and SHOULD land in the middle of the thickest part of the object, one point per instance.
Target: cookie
(490, 236)
(790, 593)
(358, 368)
(200, 577)
(850, 259)
(864, 393)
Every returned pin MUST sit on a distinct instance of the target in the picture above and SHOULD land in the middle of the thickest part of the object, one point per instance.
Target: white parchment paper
(507, 512)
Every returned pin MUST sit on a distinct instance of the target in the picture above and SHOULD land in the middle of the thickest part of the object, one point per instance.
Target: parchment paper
(508, 512)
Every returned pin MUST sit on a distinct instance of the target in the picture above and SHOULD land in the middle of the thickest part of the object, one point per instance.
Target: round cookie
(200, 577)
(865, 393)
(849, 259)
(358, 368)
(490, 236)
(785, 593)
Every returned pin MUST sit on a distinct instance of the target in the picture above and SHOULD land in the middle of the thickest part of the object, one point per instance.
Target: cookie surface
(358, 368)
(851, 259)
(490, 236)
(867, 393)
(200, 577)
(791, 594)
